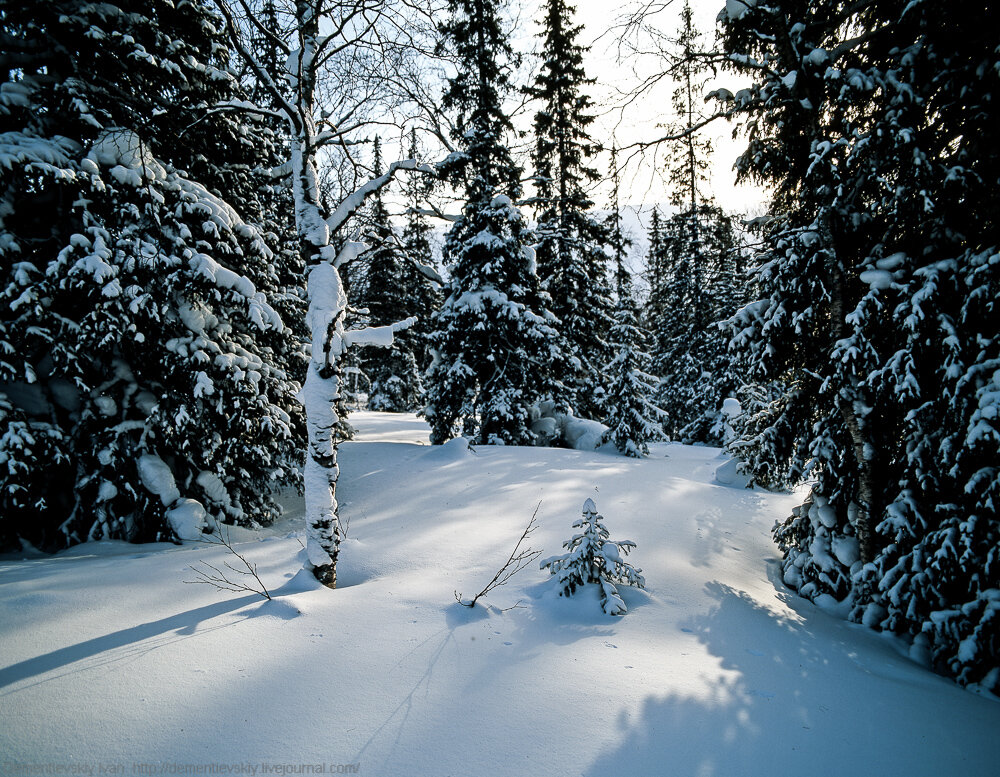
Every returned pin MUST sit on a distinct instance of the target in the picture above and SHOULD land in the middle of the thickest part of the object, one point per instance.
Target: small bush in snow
(593, 558)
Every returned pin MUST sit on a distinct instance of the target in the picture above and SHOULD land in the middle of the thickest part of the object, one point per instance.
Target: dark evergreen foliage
(874, 341)
(572, 261)
(632, 418)
(142, 360)
(495, 347)
(394, 380)
(425, 294)
(694, 284)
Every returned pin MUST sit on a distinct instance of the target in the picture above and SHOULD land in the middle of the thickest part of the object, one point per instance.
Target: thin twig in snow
(518, 560)
(212, 575)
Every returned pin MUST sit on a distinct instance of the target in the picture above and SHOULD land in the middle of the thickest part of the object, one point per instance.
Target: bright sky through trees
(617, 71)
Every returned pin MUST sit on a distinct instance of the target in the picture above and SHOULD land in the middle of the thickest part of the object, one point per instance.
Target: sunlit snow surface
(107, 657)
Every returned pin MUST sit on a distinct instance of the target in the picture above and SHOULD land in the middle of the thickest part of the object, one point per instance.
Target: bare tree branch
(209, 574)
(517, 561)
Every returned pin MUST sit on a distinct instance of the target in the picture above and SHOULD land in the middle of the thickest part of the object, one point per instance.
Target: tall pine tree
(425, 293)
(632, 418)
(572, 262)
(495, 347)
(393, 374)
(690, 273)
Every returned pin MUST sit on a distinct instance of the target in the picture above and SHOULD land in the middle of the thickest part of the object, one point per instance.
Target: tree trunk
(850, 403)
(324, 318)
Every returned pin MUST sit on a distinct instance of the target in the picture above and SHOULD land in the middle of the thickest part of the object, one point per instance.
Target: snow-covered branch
(350, 204)
(380, 336)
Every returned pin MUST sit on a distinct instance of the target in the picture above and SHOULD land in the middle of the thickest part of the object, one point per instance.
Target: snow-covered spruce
(390, 289)
(873, 345)
(143, 364)
(592, 557)
(495, 349)
(159, 354)
(693, 264)
(420, 273)
(571, 241)
(631, 417)
(633, 420)
(695, 282)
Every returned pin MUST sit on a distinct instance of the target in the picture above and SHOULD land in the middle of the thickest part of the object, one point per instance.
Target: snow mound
(455, 449)
(188, 519)
(552, 427)
(158, 479)
(728, 474)
(582, 434)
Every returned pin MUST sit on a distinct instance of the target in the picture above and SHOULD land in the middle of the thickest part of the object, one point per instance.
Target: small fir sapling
(593, 558)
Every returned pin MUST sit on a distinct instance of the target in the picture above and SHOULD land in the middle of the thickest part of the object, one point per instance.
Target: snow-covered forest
(229, 229)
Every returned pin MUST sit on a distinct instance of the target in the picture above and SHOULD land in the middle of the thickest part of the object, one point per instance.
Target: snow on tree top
(818, 56)
(17, 148)
(156, 476)
(479, 301)
(589, 506)
(486, 238)
(350, 251)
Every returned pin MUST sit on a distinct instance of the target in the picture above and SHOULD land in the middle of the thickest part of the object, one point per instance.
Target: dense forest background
(208, 206)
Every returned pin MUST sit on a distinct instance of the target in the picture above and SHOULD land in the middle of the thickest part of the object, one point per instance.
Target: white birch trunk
(324, 318)
(296, 100)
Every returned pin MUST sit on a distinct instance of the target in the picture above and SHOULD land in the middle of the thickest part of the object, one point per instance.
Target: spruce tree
(572, 262)
(630, 414)
(394, 380)
(935, 263)
(141, 366)
(592, 557)
(873, 343)
(694, 287)
(270, 201)
(495, 348)
(425, 294)
(690, 291)
(654, 254)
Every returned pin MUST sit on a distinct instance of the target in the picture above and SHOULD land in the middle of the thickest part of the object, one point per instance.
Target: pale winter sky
(640, 119)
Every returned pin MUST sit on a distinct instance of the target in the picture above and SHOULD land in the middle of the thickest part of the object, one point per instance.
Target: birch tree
(334, 54)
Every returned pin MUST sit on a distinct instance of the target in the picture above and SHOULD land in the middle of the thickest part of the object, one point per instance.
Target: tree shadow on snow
(746, 719)
(121, 645)
(792, 697)
(429, 651)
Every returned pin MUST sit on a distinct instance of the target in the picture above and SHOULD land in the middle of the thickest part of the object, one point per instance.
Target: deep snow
(107, 657)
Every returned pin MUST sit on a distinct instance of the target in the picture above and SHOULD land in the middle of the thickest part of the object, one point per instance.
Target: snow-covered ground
(109, 661)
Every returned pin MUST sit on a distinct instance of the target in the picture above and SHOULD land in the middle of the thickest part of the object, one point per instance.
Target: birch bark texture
(314, 36)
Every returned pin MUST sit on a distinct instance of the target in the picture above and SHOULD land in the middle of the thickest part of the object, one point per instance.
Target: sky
(616, 73)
